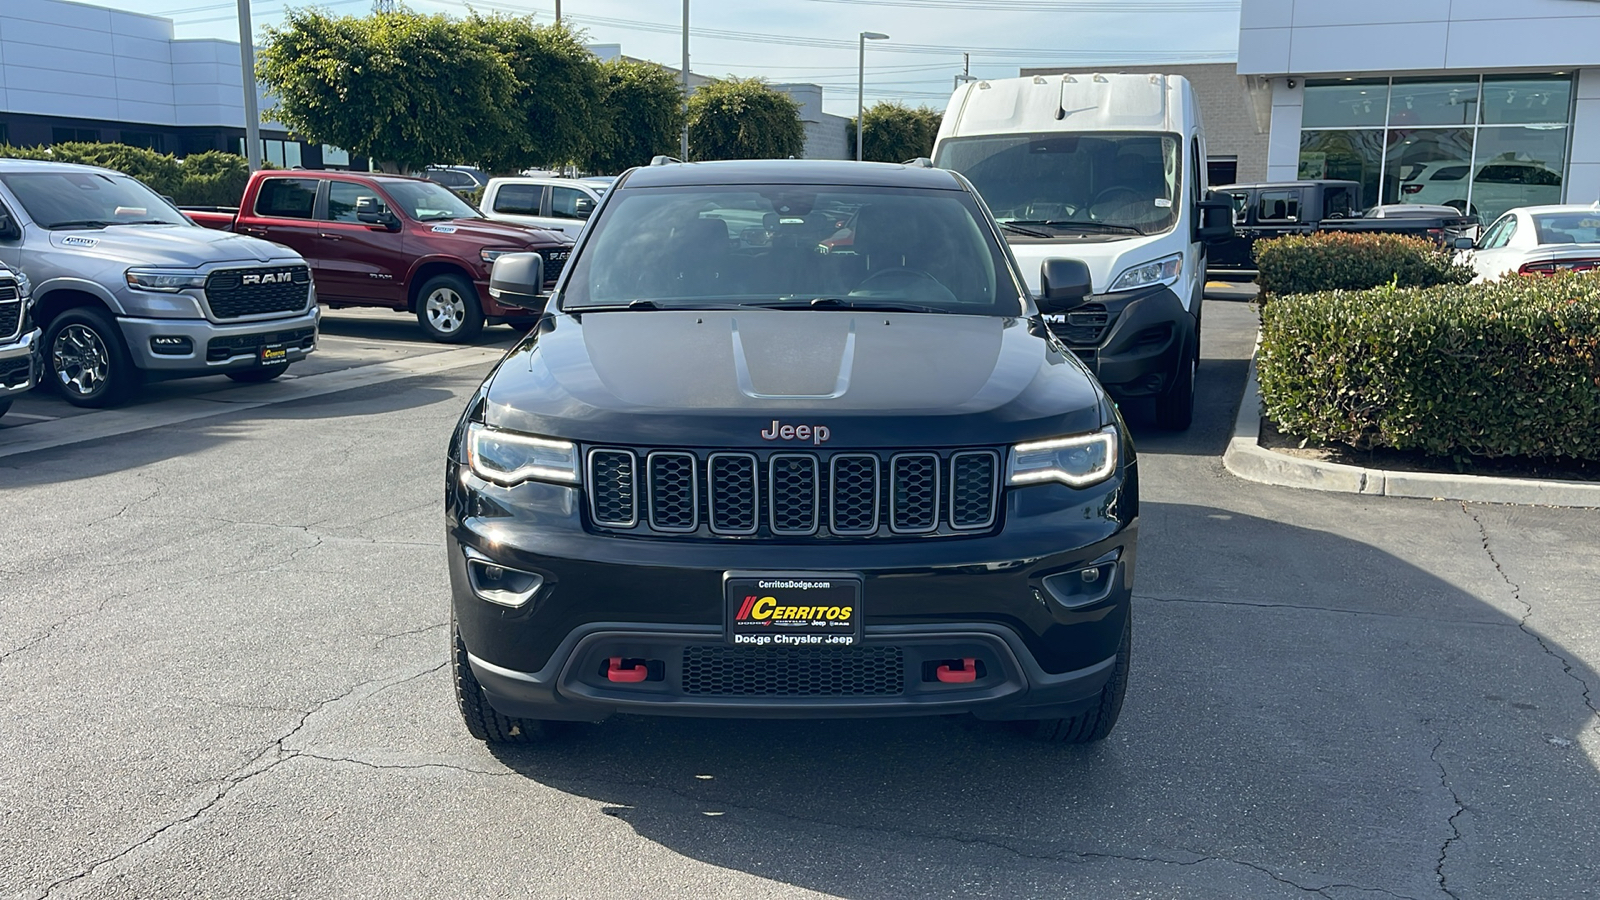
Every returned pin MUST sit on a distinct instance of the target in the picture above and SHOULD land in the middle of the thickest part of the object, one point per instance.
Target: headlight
(1162, 271)
(1079, 461)
(489, 256)
(168, 281)
(507, 458)
(24, 286)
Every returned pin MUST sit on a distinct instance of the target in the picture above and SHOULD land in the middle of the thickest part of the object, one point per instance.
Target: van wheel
(1096, 722)
(483, 721)
(86, 360)
(1175, 405)
(257, 376)
(448, 310)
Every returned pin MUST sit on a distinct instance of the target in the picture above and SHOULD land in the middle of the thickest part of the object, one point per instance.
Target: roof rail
(664, 160)
(921, 162)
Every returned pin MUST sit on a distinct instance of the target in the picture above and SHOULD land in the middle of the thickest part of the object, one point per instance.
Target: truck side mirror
(583, 208)
(1464, 243)
(9, 230)
(1213, 220)
(1064, 285)
(517, 280)
(372, 211)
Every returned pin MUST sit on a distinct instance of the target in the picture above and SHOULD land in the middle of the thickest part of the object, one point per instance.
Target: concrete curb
(1247, 459)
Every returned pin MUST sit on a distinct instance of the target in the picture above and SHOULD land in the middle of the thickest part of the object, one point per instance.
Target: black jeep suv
(792, 439)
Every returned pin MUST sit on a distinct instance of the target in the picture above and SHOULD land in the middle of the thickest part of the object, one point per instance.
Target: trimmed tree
(643, 118)
(403, 88)
(896, 132)
(743, 118)
(556, 105)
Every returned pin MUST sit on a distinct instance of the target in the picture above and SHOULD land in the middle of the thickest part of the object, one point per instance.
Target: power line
(1124, 6)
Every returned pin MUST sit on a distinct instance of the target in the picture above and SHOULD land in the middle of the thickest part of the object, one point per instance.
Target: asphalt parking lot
(223, 673)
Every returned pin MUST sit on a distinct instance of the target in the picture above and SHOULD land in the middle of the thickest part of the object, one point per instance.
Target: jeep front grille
(791, 494)
(793, 672)
(231, 298)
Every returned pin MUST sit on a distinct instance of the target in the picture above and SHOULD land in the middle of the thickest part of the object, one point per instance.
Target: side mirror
(583, 208)
(1213, 220)
(9, 230)
(517, 280)
(372, 211)
(1064, 285)
(1464, 243)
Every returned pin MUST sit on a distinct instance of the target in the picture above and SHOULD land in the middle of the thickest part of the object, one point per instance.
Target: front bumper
(214, 348)
(21, 364)
(925, 602)
(1138, 352)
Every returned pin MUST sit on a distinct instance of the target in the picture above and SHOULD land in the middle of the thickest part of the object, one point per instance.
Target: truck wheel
(1096, 722)
(448, 310)
(86, 360)
(484, 722)
(257, 376)
(1175, 405)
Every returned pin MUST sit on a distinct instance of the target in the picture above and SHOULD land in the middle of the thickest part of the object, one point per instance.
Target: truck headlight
(1079, 460)
(508, 458)
(489, 256)
(166, 281)
(1161, 271)
(24, 286)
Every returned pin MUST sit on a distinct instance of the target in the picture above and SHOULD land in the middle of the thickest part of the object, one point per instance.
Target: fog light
(171, 345)
(498, 584)
(1083, 587)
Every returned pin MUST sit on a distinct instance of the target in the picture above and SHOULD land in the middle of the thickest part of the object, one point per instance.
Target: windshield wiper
(615, 307)
(861, 305)
(1030, 232)
(81, 223)
(1092, 226)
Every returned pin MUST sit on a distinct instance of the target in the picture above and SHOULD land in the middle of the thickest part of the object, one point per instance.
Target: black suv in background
(792, 440)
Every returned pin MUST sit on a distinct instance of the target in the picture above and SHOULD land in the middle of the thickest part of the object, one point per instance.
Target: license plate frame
(764, 609)
(274, 355)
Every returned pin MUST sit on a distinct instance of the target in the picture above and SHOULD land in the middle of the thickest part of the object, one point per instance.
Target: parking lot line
(111, 423)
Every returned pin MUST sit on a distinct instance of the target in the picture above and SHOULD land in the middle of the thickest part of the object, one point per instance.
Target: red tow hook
(615, 671)
(968, 672)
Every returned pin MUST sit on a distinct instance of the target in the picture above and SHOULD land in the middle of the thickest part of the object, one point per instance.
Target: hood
(176, 246)
(1106, 259)
(486, 232)
(720, 378)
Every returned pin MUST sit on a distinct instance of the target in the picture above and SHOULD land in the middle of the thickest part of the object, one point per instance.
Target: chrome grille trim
(662, 456)
(995, 477)
(754, 489)
(631, 490)
(897, 480)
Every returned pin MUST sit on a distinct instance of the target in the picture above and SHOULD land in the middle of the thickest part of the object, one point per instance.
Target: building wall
(1226, 107)
(826, 135)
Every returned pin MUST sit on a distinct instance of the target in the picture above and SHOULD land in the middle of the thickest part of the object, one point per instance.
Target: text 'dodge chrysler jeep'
(739, 469)
(127, 289)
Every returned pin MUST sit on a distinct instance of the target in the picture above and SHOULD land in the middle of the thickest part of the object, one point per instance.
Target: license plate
(273, 356)
(792, 610)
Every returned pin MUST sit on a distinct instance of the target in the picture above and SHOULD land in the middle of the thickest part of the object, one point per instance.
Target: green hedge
(1504, 369)
(212, 178)
(1333, 261)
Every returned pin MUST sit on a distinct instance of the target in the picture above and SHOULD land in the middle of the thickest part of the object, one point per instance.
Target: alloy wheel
(81, 359)
(446, 310)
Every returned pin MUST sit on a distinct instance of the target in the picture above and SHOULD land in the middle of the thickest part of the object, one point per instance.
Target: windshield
(806, 246)
(89, 200)
(1568, 227)
(429, 202)
(1073, 182)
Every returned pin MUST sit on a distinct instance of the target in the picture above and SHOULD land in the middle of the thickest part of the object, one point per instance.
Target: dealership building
(1479, 104)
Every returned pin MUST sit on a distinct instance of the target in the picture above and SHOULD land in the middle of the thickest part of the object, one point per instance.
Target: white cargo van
(1109, 170)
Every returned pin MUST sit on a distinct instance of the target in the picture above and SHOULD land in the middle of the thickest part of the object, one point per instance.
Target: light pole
(861, 84)
(247, 73)
(684, 150)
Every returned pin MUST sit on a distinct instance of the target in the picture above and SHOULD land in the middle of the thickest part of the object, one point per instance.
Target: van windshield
(1064, 183)
(793, 247)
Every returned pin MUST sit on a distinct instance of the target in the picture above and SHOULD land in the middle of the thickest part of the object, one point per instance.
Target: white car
(558, 204)
(1539, 240)
(1498, 184)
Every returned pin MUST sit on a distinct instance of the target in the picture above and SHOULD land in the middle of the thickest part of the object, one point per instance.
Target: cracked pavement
(223, 672)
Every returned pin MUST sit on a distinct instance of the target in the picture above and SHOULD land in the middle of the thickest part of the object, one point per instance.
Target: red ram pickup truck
(391, 242)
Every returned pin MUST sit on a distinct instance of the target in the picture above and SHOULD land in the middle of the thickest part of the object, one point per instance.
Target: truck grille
(14, 373)
(554, 262)
(788, 494)
(222, 348)
(10, 309)
(793, 672)
(232, 298)
(1084, 325)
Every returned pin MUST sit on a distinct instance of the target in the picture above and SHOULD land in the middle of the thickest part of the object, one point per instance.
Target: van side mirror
(1064, 285)
(9, 229)
(372, 211)
(517, 280)
(1214, 219)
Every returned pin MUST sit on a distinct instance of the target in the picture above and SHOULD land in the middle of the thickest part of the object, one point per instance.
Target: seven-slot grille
(10, 308)
(236, 293)
(791, 494)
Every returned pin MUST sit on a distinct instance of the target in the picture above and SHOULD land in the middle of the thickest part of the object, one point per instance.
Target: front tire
(86, 361)
(483, 721)
(1175, 405)
(448, 309)
(1095, 723)
(257, 376)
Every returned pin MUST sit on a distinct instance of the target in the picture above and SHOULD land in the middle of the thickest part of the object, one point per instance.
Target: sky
(815, 41)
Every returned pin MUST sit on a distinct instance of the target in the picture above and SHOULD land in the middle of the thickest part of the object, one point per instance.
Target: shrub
(212, 178)
(1504, 369)
(1335, 260)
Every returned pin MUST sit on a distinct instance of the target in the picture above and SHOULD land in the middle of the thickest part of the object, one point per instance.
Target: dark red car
(392, 242)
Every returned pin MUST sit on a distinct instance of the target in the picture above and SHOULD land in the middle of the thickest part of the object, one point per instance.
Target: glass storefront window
(1347, 103)
(1355, 155)
(1428, 166)
(1413, 103)
(1518, 167)
(1526, 101)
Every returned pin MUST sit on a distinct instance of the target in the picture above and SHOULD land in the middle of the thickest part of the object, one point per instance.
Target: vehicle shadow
(1305, 711)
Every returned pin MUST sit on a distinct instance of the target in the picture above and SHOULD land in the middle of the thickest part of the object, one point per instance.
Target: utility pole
(380, 7)
(247, 73)
(684, 149)
(966, 70)
(558, 12)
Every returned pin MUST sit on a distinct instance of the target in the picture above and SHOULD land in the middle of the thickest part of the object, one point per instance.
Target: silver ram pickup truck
(19, 340)
(126, 289)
